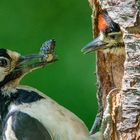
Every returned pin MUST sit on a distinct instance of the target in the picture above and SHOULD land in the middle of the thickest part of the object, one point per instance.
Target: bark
(118, 76)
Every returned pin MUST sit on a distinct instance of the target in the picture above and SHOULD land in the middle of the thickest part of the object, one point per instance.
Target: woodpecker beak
(29, 63)
(96, 44)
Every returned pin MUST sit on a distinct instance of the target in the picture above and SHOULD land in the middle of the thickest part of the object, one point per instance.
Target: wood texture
(118, 76)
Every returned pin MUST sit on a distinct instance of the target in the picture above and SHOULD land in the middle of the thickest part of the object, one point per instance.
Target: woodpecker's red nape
(102, 23)
(106, 24)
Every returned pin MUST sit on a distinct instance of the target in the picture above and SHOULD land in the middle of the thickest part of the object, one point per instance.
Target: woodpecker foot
(96, 124)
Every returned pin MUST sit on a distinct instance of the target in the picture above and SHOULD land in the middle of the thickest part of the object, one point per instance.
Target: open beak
(94, 45)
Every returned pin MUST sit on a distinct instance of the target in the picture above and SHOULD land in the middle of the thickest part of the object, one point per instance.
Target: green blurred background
(25, 25)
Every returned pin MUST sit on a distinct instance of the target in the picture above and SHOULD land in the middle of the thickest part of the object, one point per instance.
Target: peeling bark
(118, 76)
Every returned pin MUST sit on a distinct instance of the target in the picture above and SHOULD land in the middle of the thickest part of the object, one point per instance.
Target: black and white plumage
(28, 114)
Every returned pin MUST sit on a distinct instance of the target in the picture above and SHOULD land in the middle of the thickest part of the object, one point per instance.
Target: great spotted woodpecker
(110, 36)
(109, 41)
(28, 114)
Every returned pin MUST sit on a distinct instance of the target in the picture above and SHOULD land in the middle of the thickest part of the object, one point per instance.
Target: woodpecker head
(14, 66)
(110, 35)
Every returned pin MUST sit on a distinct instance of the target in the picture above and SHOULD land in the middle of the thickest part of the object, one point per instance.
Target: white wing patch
(9, 133)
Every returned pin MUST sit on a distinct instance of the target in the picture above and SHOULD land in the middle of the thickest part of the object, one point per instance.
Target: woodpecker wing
(24, 127)
(57, 120)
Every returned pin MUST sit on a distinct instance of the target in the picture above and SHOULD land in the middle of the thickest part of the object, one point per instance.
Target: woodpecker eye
(3, 62)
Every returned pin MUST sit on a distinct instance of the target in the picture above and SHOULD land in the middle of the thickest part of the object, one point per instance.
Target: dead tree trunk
(118, 76)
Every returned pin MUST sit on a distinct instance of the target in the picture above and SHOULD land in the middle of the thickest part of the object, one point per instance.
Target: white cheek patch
(2, 73)
(4, 70)
(9, 133)
(101, 37)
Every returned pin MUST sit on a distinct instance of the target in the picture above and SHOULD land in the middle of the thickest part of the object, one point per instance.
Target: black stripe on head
(113, 26)
(3, 53)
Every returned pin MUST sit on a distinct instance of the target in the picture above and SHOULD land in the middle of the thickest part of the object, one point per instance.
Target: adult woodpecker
(110, 36)
(28, 114)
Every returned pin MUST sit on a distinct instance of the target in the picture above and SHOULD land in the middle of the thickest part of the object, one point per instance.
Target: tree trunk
(118, 76)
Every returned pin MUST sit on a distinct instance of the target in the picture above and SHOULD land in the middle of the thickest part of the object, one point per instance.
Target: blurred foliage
(71, 81)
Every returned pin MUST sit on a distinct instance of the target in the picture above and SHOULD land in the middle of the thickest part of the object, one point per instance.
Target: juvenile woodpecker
(28, 114)
(110, 36)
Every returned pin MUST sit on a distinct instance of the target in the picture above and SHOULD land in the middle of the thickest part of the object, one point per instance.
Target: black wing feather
(26, 127)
